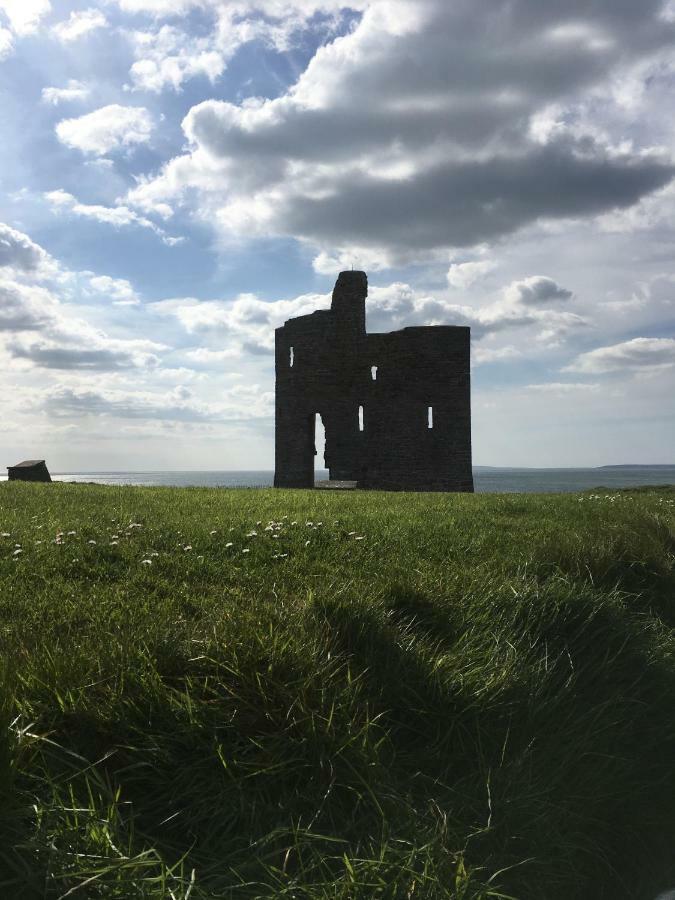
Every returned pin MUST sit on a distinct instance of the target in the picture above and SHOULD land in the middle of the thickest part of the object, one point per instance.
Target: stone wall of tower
(377, 428)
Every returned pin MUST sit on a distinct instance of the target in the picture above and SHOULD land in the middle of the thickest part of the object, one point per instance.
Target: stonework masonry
(396, 407)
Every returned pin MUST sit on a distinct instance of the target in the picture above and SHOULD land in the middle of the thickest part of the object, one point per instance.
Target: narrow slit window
(373, 373)
(290, 358)
(360, 418)
(430, 417)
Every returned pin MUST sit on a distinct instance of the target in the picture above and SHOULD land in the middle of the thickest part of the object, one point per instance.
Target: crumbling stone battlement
(396, 407)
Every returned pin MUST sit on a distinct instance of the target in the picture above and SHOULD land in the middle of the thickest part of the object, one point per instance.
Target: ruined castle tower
(396, 407)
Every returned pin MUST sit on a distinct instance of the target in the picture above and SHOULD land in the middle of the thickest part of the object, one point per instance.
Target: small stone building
(396, 407)
(29, 470)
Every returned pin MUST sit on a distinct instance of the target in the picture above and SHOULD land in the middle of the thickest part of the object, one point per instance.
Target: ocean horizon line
(160, 471)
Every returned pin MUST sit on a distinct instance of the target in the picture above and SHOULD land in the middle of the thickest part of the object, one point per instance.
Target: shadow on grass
(515, 733)
(558, 763)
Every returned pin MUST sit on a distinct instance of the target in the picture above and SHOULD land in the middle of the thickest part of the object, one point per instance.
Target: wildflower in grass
(245, 550)
(37, 542)
(258, 524)
(252, 534)
(213, 532)
(114, 543)
(229, 544)
(17, 545)
(6, 534)
(294, 523)
(351, 533)
(309, 524)
(187, 547)
(91, 542)
(307, 543)
(72, 532)
(146, 562)
(16, 552)
(275, 537)
(154, 553)
(135, 525)
(279, 555)
(359, 537)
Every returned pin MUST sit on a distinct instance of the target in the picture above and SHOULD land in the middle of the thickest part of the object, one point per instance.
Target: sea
(487, 479)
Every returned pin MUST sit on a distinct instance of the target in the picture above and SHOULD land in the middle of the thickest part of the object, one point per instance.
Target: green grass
(476, 700)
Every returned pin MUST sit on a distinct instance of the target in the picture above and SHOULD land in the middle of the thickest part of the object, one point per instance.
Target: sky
(179, 177)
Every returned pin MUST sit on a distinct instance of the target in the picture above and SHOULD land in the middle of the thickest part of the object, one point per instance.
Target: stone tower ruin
(396, 407)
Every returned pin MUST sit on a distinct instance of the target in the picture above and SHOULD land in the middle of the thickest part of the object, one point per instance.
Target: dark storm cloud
(538, 290)
(415, 130)
(99, 359)
(177, 405)
(461, 204)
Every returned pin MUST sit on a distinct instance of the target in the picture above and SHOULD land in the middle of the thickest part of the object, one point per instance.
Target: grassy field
(257, 693)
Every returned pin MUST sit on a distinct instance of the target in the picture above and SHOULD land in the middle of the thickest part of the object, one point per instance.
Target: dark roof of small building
(28, 464)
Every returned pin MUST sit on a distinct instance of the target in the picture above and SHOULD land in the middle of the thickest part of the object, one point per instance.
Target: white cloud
(432, 156)
(157, 7)
(118, 290)
(246, 324)
(117, 216)
(351, 258)
(6, 43)
(294, 13)
(463, 275)
(638, 355)
(242, 327)
(80, 23)
(206, 357)
(40, 330)
(20, 254)
(483, 355)
(25, 15)
(93, 352)
(563, 387)
(25, 307)
(179, 404)
(74, 90)
(168, 57)
(106, 129)
(398, 305)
